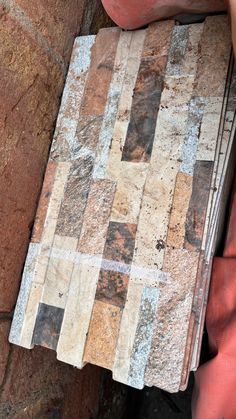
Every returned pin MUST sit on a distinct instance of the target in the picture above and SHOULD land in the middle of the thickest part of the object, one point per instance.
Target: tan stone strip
(80, 300)
(30, 315)
(164, 367)
(179, 210)
(59, 274)
(215, 47)
(103, 334)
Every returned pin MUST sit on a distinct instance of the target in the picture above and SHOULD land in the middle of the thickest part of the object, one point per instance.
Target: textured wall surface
(36, 43)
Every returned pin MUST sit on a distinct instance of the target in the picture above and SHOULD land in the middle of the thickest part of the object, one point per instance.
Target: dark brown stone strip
(119, 248)
(43, 202)
(198, 205)
(100, 73)
(71, 213)
(145, 106)
(47, 326)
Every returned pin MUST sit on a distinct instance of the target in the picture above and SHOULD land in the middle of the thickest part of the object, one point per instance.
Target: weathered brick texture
(36, 42)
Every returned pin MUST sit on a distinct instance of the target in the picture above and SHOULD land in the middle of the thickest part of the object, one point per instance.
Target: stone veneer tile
(145, 106)
(165, 363)
(59, 272)
(198, 205)
(115, 95)
(103, 334)
(21, 305)
(180, 205)
(47, 326)
(44, 202)
(77, 314)
(96, 216)
(215, 48)
(100, 73)
(65, 143)
(143, 337)
(70, 219)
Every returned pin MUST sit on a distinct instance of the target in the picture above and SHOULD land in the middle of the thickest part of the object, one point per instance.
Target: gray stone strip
(143, 337)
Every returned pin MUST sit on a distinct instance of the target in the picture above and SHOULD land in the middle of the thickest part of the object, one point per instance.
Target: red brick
(57, 20)
(4, 347)
(82, 396)
(31, 372)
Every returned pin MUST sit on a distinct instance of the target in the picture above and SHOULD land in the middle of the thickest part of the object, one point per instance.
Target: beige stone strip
(59, 274)
(61, 177)
(125, 341)
(165, 364)
(103, 334)
(78, 311)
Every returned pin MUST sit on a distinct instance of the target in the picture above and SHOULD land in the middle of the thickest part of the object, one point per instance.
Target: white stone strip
(128, 42)
(72, 96)
(23, 297)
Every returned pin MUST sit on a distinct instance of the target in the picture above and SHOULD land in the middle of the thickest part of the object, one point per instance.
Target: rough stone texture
(5, 347)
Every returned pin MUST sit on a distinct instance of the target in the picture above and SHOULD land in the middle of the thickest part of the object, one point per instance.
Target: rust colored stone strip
(100, 74)
(96, 217)
(198, 204)
(103, 334)
(182, 195)
(44, 202)
(158, 39)
(112, 287)
(214, 48)
(47, 326)
(145, 106)
(73, 205)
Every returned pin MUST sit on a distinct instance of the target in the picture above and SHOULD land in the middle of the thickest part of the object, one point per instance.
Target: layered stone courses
(116, 262)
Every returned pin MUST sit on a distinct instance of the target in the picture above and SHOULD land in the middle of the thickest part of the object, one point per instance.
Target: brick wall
(36, 41)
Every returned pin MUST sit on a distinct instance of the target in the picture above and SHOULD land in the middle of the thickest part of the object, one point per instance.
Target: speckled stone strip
(72, 209)
(114, 97)
(143, 337)
(77, 314)
(119, 247)
(189, 150)
(100, 73)
(64, 143)
(165, 363)
(44, 202)
(215, 48)
(96, 216)
(178, 47)
(21, 305)
(47, 326)
(103, 334)
(197, 211)
(179, 210)
(30, 315)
